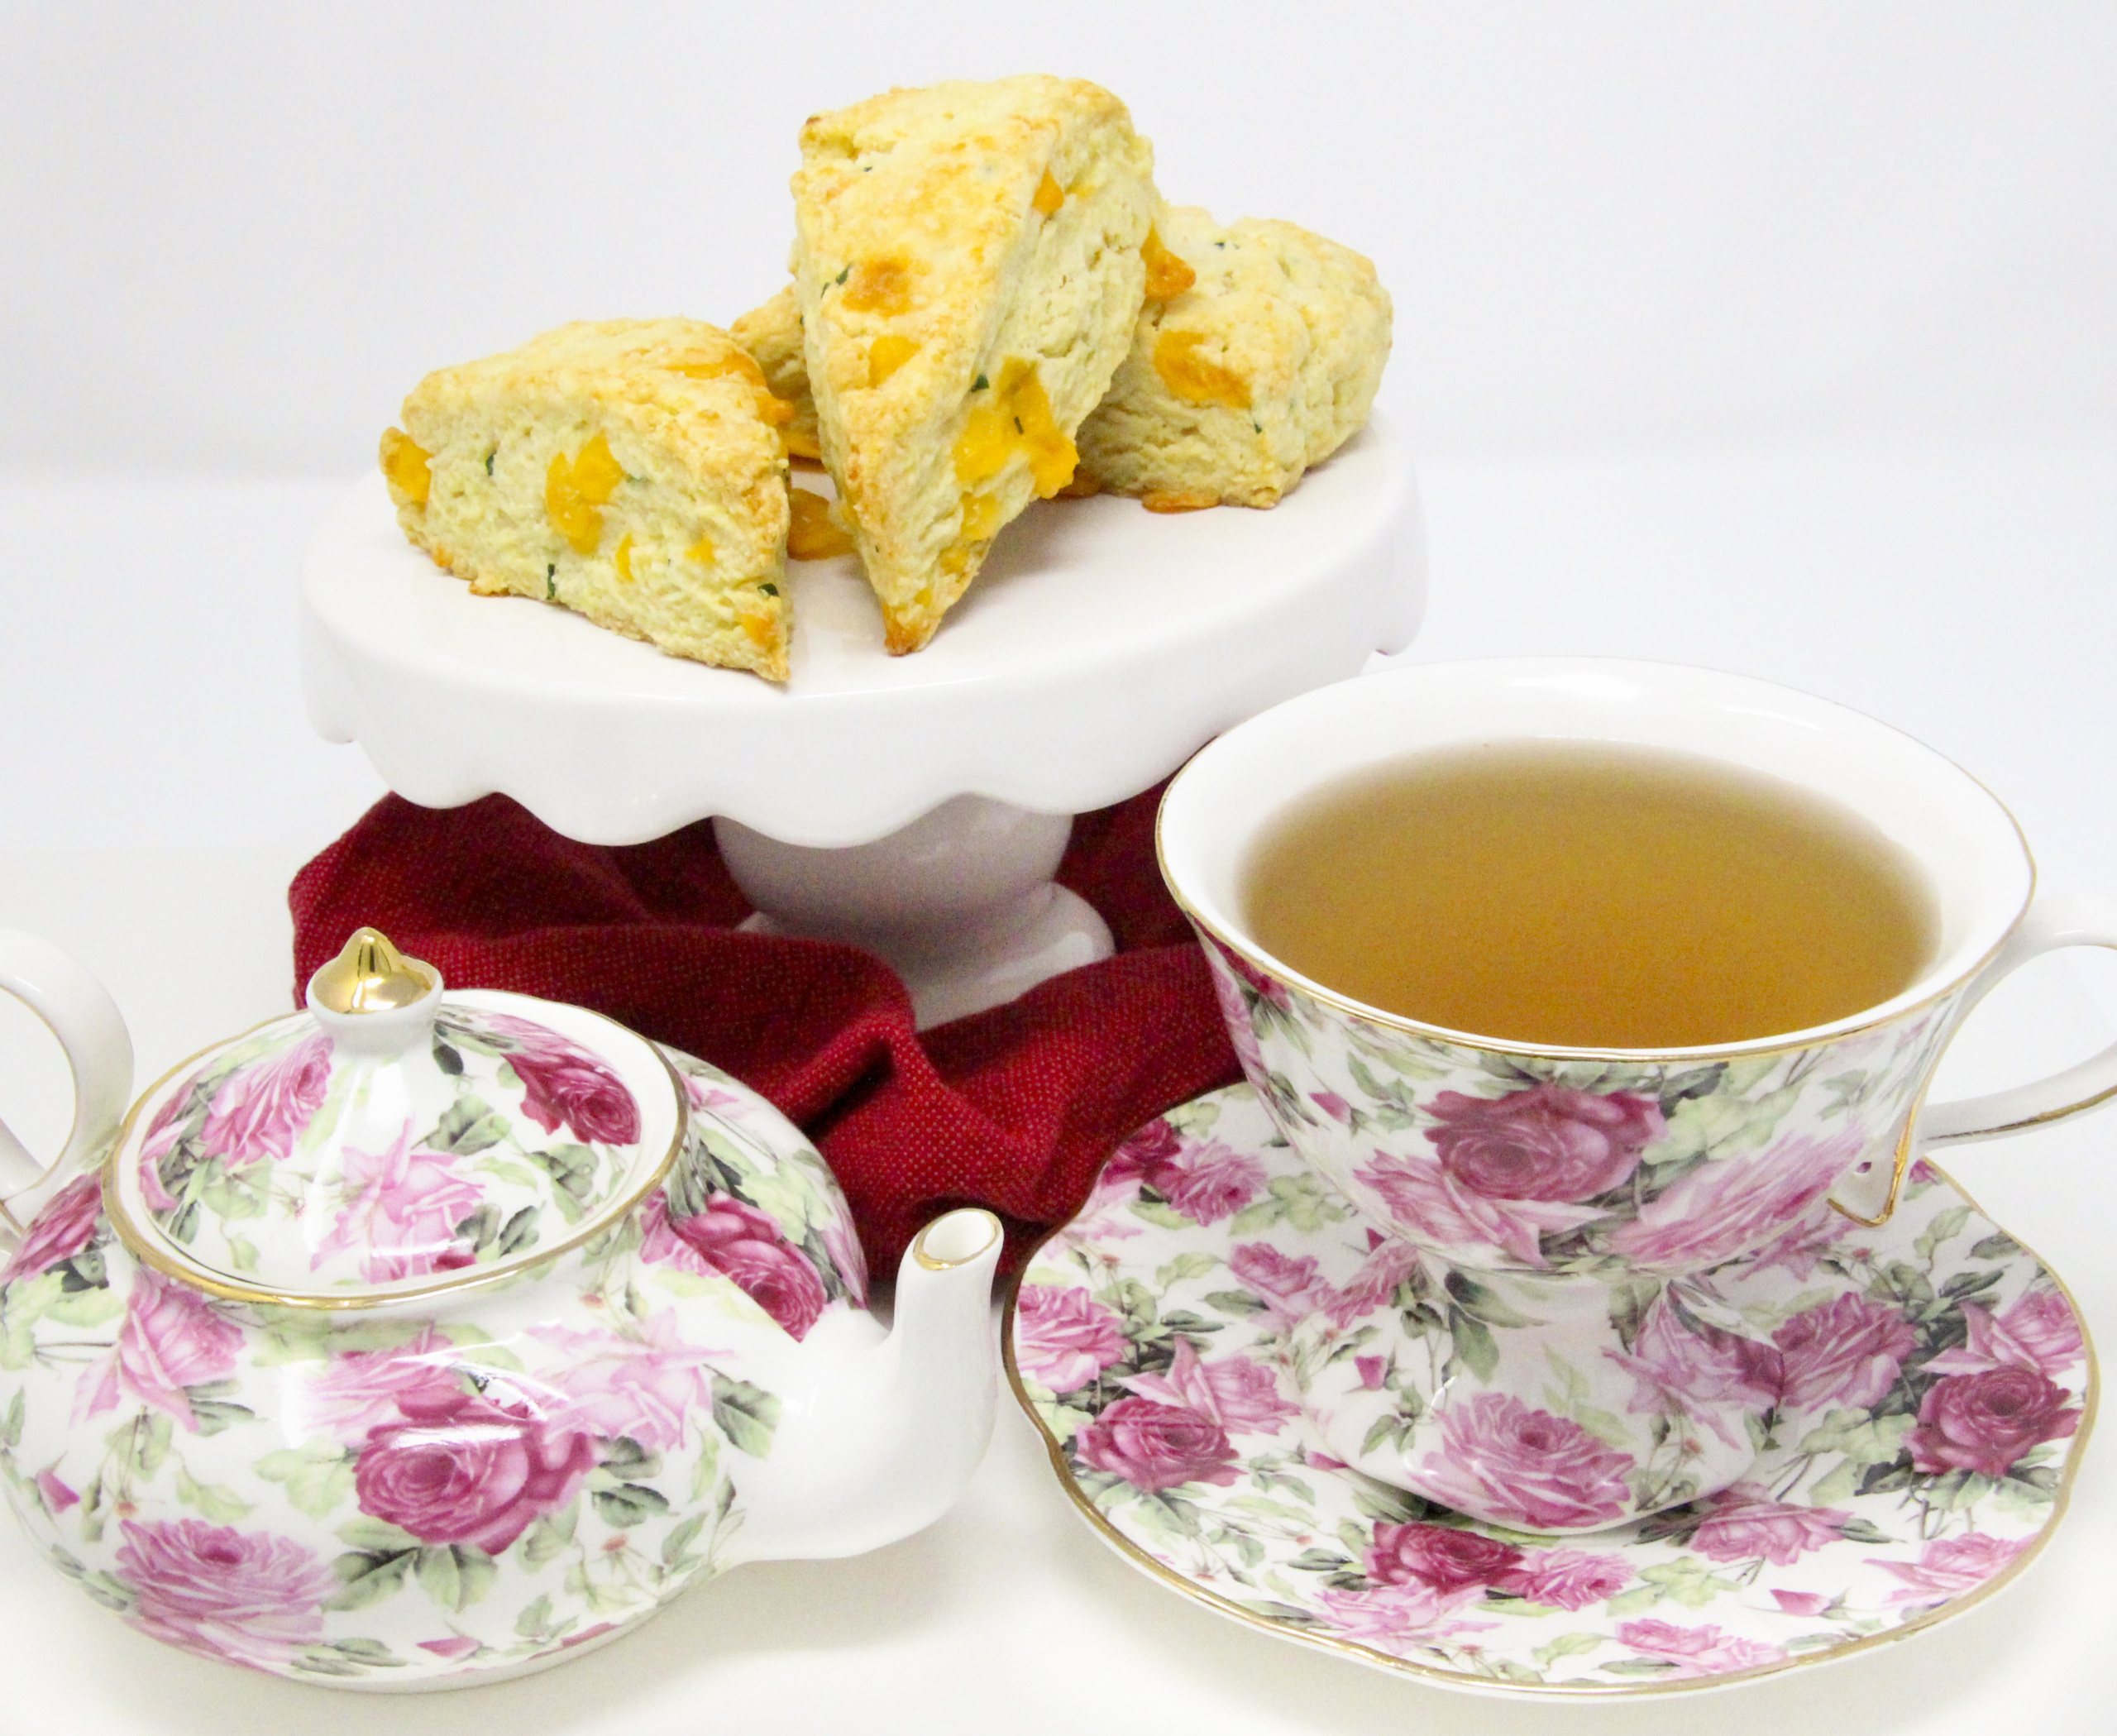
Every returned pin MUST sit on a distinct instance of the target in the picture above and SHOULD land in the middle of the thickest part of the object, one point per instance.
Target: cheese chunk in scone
(772, 335)
(1258, 353)
(630, 470)
(967, 270)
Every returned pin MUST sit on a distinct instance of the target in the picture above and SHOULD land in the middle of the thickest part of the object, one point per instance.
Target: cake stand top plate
(1100, 646)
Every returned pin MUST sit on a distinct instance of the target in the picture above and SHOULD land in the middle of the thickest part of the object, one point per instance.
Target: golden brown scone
(967, 270)
(772, 335)
(1265, 362)
(631, 469)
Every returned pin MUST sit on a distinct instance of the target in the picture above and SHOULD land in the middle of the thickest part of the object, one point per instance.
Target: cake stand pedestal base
(960, 903)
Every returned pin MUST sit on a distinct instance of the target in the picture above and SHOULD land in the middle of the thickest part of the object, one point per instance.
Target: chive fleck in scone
(771, 333)
(1258, 353)
(631, 469)
(967, 270)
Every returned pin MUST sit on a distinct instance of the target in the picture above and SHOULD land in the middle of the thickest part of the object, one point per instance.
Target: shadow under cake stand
(915, 806)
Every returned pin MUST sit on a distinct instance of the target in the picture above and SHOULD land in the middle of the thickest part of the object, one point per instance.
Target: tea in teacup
(1589, 894)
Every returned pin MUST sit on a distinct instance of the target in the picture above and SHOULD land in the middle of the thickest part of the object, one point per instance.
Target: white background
(1781, 337)
(235, 234)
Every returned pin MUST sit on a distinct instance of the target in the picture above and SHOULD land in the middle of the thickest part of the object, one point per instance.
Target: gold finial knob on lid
(371, 975)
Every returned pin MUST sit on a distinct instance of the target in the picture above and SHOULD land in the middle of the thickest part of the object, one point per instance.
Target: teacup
(1551, 1341)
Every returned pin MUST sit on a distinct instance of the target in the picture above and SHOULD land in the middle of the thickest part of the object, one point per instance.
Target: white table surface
(158, 787)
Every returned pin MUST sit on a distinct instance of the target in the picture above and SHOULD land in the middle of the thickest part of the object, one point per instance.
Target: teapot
(426, 1338)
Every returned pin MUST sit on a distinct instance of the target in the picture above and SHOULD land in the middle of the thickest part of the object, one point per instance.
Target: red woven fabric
(1015, 1109)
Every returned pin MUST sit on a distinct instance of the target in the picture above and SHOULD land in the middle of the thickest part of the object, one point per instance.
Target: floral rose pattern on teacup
(1847, 1351)
(1708, 1378)
(364, 1494)
(1547, 1142)
(1921, 1389)
(1515, 1162)
(1714, 1213)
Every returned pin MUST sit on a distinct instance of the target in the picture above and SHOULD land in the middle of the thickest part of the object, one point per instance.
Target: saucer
(1147, 1337)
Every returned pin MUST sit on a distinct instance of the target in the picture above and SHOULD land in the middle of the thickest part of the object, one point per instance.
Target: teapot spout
(883, 1450)
(948, 1371)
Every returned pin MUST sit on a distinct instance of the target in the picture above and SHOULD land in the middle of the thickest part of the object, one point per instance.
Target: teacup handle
(2078, 920)
(81, 1014)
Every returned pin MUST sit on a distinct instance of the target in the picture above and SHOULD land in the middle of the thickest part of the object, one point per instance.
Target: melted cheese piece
(879, 286)
(1168, 277)
(811, 535)
(405, 463)
(981, 518)
(1018, 420)
(574, 493)
(578, 521)
(886, 354)
(597, 473)
(1194, 379)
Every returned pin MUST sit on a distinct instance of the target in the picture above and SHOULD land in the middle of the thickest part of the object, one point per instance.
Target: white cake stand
(916, 805)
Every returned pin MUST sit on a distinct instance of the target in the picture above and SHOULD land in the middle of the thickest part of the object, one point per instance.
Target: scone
(772, 335)
(1265, 363)
(967, 270)
(631, 469)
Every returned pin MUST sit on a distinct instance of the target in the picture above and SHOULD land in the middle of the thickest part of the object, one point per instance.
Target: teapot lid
(392, 1140)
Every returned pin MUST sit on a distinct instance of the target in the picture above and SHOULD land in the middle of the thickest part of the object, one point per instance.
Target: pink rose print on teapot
(250, 1597)
(459, 1469)
(425, 1337)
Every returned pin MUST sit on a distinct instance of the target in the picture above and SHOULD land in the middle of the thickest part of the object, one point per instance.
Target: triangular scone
(967, 263)
(630, 470)
(1257, 354)
(772, 335)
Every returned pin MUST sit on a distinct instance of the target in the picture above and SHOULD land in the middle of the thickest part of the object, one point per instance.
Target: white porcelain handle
(2051, 923)
(82, 1016)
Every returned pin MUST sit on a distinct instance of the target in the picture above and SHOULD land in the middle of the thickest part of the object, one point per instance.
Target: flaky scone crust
(1304, 324)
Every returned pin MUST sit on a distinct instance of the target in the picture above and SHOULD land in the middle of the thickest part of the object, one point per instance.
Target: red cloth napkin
(1015, 1108)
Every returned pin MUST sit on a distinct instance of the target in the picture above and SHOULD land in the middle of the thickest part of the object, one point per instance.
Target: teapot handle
(81, 1014)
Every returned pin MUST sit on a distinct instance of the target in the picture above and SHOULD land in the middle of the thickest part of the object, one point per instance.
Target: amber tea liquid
(1590, 895)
